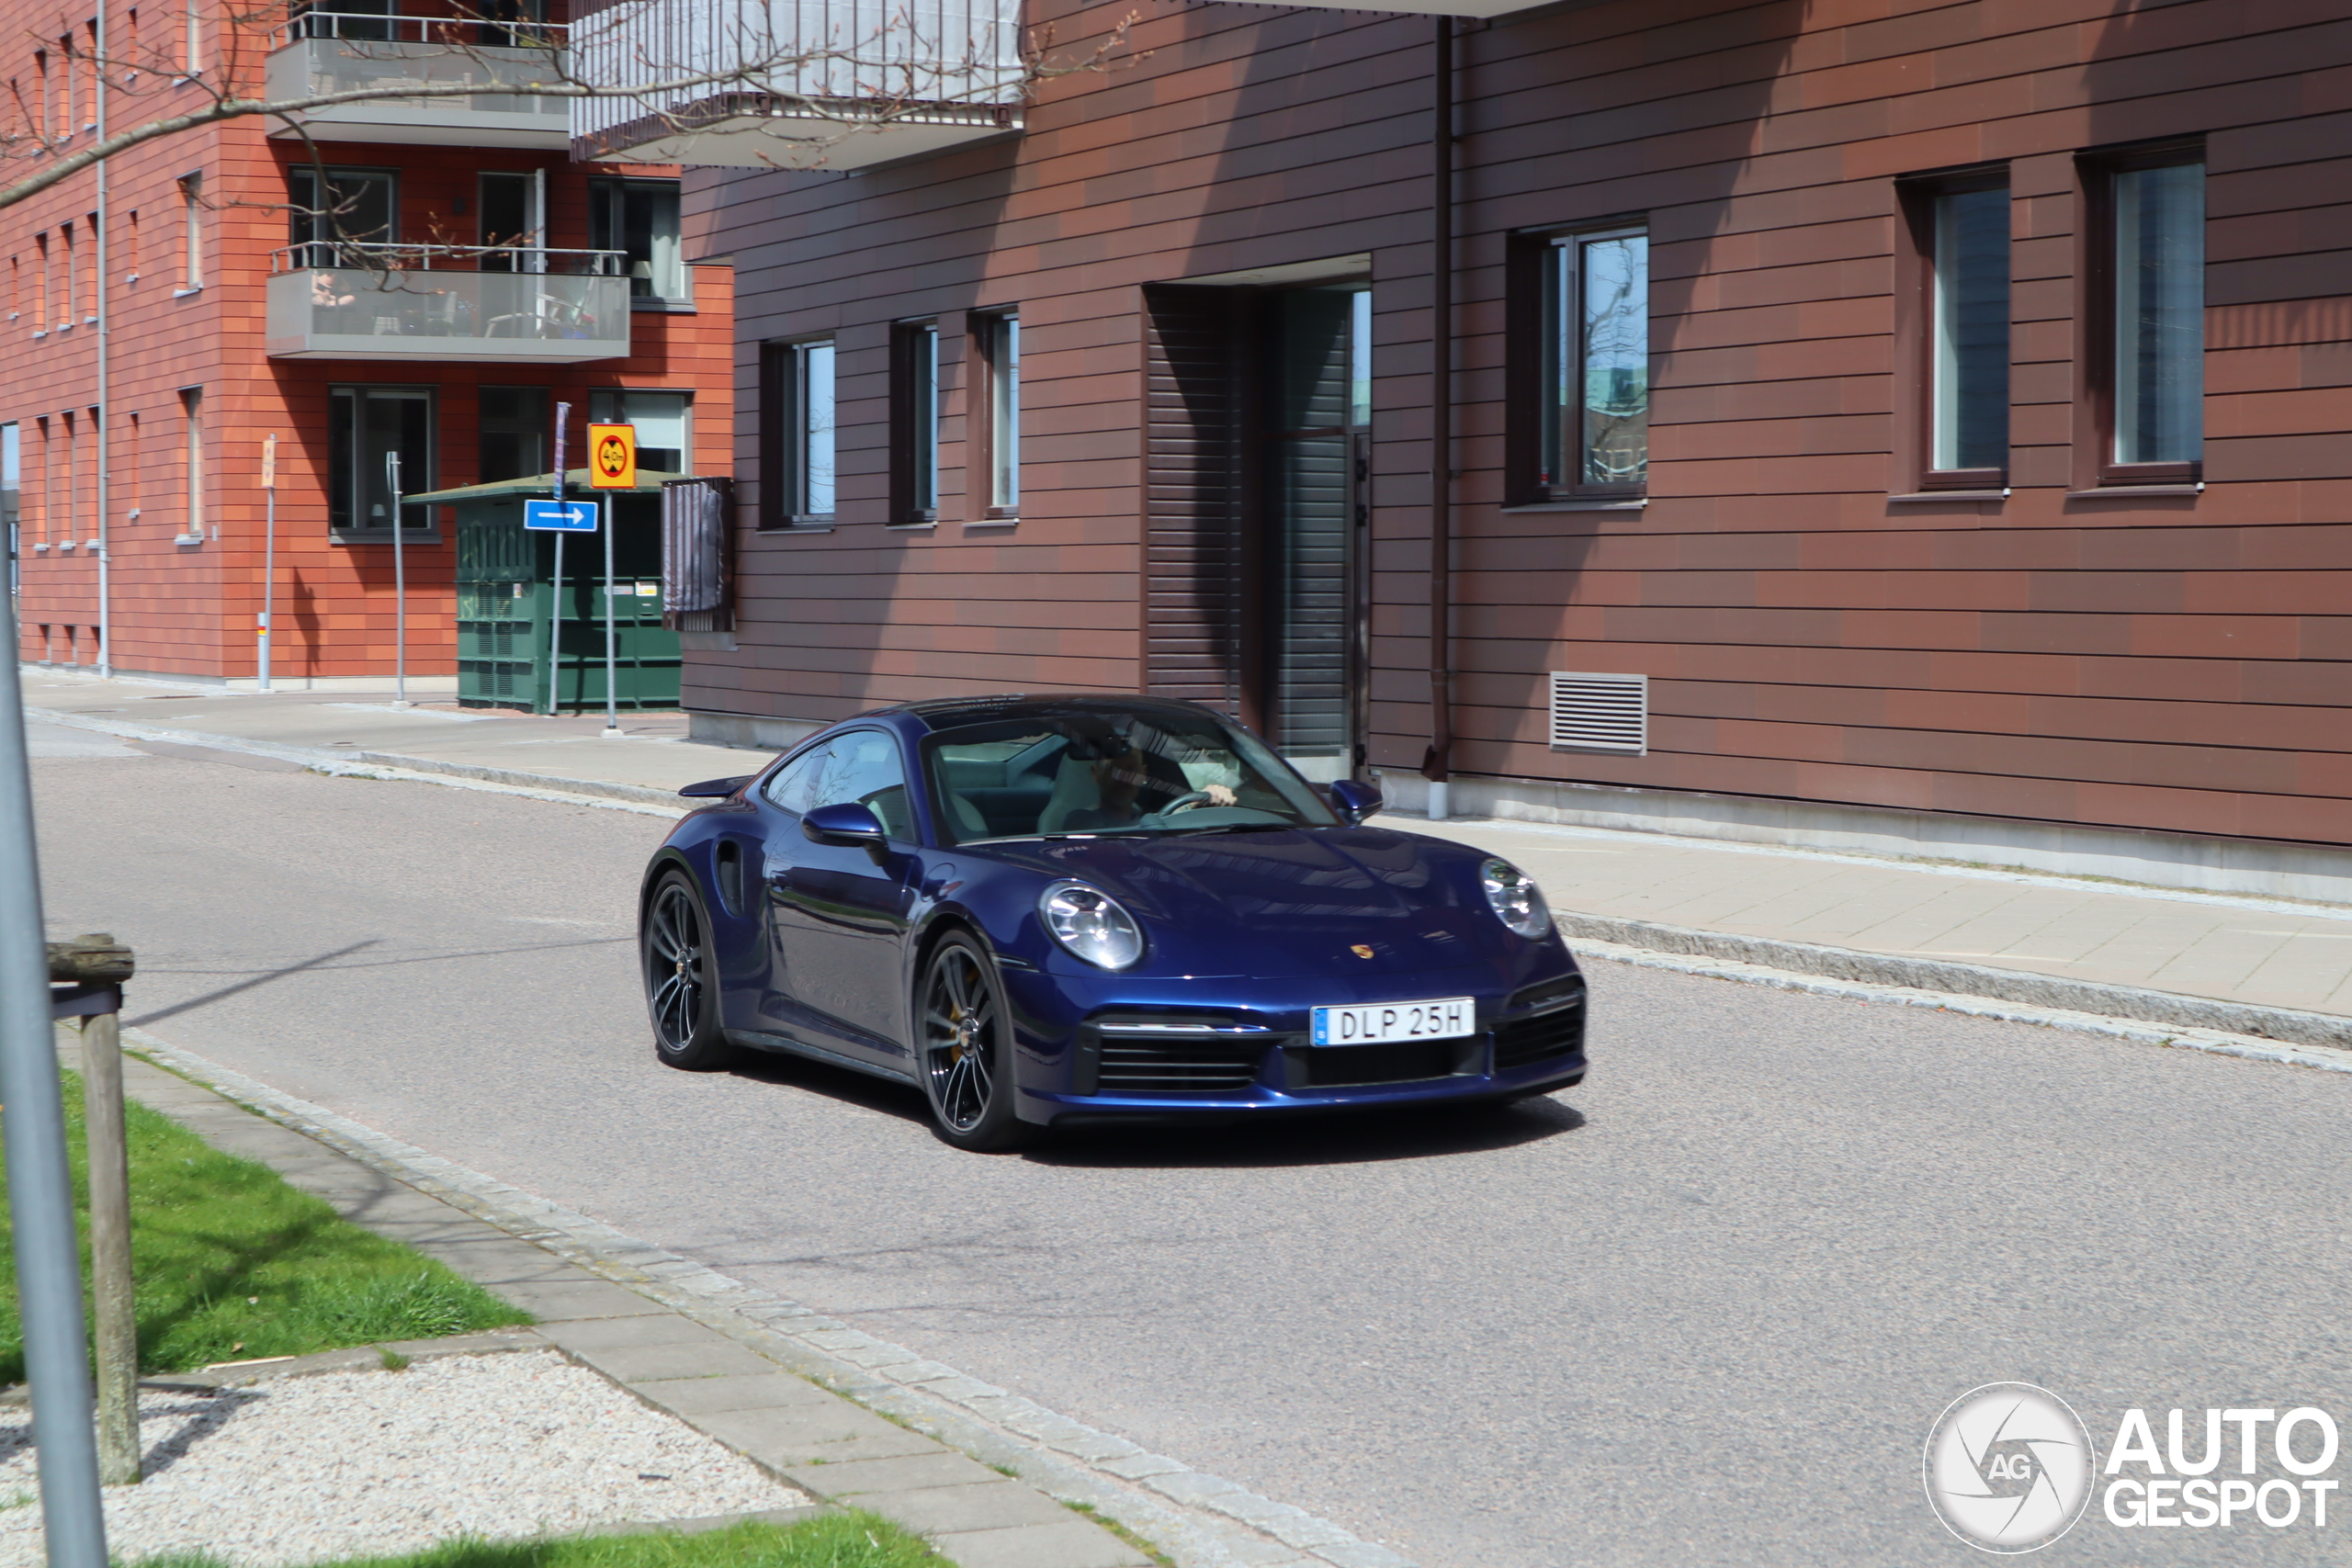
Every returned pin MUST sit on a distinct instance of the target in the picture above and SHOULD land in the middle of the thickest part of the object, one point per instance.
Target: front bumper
(1212, 1052)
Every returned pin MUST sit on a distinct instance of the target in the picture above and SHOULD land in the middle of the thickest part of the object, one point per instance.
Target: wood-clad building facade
(1912, 425)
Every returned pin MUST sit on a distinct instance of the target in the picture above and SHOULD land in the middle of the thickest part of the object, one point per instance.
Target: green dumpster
(507, 599)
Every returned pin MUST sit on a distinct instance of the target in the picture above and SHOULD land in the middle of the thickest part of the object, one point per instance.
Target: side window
(794, 788)
(866, 770)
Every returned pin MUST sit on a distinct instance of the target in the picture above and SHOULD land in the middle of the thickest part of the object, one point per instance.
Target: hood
(1290, 903)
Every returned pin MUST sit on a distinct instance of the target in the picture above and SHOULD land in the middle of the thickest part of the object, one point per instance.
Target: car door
(837, 918)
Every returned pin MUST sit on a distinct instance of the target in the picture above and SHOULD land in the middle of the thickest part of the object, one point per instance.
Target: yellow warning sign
(612, 456)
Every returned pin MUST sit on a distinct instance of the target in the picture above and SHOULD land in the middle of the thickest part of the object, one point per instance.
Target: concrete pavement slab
(1076, 1544)
(789, 1437)
(652, 1364)
(753, 1391)
(906, 1473)
(997, 1503)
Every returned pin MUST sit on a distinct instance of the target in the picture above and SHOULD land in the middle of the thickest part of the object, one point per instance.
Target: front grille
(1342, 1066)
(1556, 1029)
(1169, 1053)
(1176, 1066)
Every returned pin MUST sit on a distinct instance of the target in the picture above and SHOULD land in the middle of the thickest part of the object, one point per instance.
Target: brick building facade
(240, 303)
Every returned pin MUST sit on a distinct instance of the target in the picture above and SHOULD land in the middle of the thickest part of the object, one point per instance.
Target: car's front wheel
(965, 1043)
(679, 989)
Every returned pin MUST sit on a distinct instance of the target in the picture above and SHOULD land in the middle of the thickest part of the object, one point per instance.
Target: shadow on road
(1339, 1138)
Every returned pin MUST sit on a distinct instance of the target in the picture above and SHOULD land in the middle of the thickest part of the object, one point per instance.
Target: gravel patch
(336, 1465)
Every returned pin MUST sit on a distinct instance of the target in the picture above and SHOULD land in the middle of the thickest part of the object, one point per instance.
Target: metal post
(40, 1192)
(111, 1277)
(268, 546)
(555, 602)
(611, 691)
(1438, 768)
(400, 586)
(105, 411)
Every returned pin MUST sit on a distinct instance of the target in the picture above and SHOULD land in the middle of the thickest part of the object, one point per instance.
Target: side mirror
(716, 789)
(847, 824)
(1353, 799)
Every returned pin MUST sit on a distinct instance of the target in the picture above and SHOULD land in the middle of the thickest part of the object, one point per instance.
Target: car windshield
(1103, 771)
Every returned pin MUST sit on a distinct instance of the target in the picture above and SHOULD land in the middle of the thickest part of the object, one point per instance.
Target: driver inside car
(1119, 778)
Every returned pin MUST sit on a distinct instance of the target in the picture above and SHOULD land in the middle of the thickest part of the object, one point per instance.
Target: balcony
(330, 299)
(764, 83)
(329, 51)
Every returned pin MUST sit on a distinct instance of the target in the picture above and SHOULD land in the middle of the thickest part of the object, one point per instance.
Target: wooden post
(89, 959)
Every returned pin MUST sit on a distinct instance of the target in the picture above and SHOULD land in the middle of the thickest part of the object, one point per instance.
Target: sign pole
(555, 605)
(612, 464)
(399, 587)
(269, 546)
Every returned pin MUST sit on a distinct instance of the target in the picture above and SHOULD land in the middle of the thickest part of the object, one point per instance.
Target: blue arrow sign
(563, 516)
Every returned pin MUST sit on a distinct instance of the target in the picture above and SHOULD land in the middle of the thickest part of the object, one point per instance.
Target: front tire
(965, 1051)
(680, 989)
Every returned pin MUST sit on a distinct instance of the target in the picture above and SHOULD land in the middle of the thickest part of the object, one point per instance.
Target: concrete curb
(2051, 991)
(1201, 1520)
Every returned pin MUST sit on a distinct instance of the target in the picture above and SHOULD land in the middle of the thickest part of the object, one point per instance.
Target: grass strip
(835, 1541)
(230, 1263)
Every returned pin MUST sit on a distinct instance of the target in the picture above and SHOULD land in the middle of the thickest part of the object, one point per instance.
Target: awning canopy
(575, 488)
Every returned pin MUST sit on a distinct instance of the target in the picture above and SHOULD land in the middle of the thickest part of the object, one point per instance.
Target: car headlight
(1515, 899)
(1091, 925)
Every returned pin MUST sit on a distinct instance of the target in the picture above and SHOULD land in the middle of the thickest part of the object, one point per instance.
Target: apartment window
(796, 433)
(349, 206)
(11, 458)
(914, 418)
(40, 74)
(2150, 338)
(192, 461)
(998, 339)
(90, 266)
(1964, 245)
(66, 261)
(513, 214)
(1593, 392)
(192, 230)
(663, 446)
(365, 424)
(639, 217)
(192, 39)
(514, 432)
(40, 296)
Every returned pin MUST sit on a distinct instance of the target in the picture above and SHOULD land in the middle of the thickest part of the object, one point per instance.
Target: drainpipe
(105, 326)
(1436, 766)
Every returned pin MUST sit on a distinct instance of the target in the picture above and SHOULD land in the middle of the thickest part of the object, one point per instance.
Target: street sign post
(555, 605)
(561, 516)
(400, 584)
(612, 464)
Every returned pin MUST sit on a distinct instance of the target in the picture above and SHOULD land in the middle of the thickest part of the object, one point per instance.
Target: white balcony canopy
(830, 83)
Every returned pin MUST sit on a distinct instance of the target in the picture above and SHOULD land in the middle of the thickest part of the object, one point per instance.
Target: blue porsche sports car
(1042, 910)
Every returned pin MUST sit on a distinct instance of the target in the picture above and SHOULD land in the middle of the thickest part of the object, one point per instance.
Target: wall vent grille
(1600, 713)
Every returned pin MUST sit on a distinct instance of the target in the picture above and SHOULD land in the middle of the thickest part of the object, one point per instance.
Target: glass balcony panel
(330, 301)
(327, 52)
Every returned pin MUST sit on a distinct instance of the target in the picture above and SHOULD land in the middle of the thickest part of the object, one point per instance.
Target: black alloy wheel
(681, 992)
(967, 1051)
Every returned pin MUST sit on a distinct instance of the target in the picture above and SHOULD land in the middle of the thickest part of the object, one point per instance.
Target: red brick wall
(190, 609)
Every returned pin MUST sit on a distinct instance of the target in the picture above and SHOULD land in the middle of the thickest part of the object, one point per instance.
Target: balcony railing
(337, 299)
(843, 84)
(332, 51)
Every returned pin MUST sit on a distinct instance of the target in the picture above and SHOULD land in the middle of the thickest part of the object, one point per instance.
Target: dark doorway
(1258, 422)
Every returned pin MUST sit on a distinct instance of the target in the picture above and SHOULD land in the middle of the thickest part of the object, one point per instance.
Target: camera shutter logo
(2008, 1467)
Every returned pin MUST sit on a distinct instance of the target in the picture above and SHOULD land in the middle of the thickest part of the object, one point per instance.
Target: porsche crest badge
(1361, 951)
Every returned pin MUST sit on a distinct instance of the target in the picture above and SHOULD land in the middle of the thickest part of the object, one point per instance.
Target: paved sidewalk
(2269, 968)
(830, 1448)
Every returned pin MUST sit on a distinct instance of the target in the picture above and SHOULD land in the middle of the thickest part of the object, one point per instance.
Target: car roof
(954, 713)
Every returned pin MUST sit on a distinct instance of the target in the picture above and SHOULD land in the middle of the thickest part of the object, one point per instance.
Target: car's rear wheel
(966, 1050)
(681, 992)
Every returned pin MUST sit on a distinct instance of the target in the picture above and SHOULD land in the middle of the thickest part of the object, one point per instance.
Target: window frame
(1921, 197)
(995, 412)
(621, 395)
(915, 420)
(784, 433)
(1550, 250)
(429, 530)
(191, 189)
(2101, 338)
(192, 466)
(607, 192)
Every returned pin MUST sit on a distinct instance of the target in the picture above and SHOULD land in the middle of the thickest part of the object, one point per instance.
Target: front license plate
(1376, 1023)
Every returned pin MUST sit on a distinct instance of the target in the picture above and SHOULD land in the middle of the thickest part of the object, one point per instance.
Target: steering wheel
(1185, 802)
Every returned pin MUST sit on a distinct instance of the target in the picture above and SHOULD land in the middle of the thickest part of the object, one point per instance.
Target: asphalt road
(1700, 1310)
